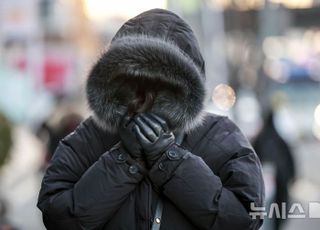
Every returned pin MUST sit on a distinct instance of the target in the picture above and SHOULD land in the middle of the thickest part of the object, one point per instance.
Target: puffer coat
(208, 181)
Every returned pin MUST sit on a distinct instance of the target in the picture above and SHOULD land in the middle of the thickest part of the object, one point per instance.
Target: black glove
(154, 136)
(128, 137)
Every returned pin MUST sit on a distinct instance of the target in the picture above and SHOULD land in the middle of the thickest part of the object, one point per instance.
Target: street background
(261, 56)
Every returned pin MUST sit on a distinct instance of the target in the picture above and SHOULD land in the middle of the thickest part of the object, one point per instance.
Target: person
(150, 157)
(272, 148)
(51, 133)
(6, 143)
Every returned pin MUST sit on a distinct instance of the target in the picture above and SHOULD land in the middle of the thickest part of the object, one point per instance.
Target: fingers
(154, 125)
(145, 129)
(160, 121)
(140, 136)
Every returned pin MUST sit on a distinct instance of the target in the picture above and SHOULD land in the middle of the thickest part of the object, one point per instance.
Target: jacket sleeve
(69, 199)
(209, 200)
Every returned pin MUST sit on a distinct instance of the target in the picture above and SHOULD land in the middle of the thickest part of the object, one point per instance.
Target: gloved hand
(154, 136)
(128, 137)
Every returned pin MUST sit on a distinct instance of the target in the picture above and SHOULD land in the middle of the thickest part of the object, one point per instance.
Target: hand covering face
(128, 137)
(153, 135)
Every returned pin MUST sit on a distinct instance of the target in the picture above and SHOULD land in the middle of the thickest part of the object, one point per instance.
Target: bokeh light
(223, 97)
(276, 70)
(317, 115)
(273, 47)
(316, 130)
(102, 10)
(293, 4)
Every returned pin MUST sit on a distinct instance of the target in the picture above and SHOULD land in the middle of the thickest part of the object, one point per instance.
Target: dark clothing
(88, 186)
(156, 52)
(206, 183)
(271, 148)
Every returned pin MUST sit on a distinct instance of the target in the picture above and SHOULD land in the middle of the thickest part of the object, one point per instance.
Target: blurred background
(263, 71)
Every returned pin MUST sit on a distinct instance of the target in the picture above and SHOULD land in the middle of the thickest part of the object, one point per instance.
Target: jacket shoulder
(218, 140)
(87, 143)
(225, 134)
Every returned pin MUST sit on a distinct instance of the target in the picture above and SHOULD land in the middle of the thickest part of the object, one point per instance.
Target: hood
(154, 49)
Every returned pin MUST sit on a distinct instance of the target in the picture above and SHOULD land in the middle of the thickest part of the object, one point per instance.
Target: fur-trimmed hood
(156, 46)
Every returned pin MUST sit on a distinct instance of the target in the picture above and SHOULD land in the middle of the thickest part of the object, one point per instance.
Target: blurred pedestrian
(272, 148)
(5, 139)
(5, 149)
(150, 157)
(67, 124)
(52, 132)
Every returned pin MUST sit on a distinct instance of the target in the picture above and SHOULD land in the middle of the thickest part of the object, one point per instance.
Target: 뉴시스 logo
(295, 211)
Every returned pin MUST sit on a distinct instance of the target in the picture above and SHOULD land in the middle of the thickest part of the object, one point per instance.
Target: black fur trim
(143, 58)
